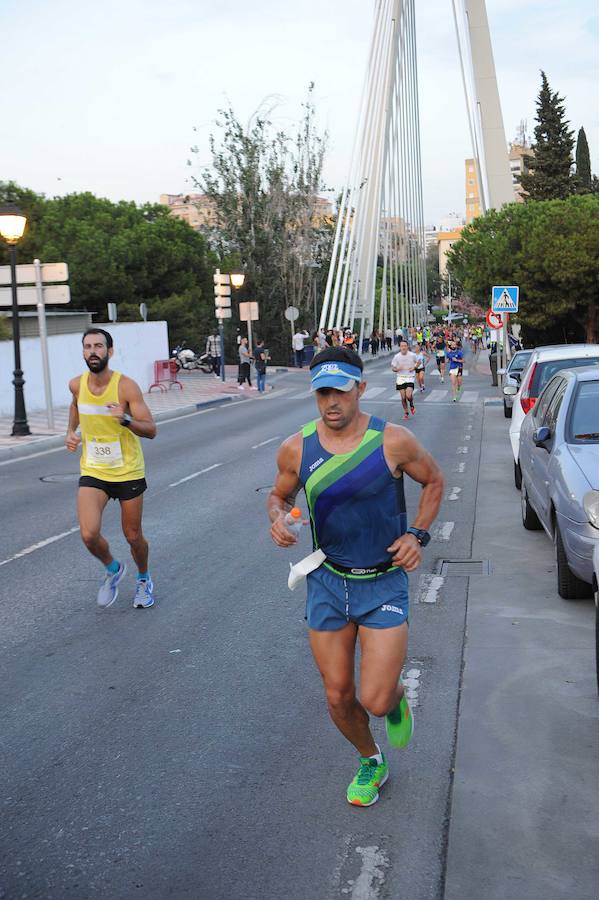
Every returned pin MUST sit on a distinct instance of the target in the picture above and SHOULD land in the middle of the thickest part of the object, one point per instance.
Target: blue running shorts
(334, 600)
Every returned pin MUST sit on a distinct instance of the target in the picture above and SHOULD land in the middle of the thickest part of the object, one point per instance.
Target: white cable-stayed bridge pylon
(377, 276)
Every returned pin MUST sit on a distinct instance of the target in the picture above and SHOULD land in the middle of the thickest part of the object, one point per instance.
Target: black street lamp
(12, 229)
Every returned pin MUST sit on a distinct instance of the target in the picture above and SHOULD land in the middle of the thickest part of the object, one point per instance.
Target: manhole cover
(59, 479)
(464, 567)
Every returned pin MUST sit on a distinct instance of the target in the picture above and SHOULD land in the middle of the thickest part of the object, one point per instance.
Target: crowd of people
(446, 342)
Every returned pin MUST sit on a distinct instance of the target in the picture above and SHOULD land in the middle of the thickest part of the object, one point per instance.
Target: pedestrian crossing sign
(505, 299)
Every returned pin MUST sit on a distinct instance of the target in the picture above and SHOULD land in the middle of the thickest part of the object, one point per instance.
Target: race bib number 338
(101, 454)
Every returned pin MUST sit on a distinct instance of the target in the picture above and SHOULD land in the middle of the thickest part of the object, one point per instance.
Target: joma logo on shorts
(388, 608)
(316, 464)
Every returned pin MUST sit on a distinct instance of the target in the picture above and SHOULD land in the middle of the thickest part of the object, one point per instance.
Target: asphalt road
(185, 751)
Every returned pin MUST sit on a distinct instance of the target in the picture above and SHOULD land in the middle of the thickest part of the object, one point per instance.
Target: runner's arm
(285, 489)
(132, 402)
(406, 454)
(72, 440)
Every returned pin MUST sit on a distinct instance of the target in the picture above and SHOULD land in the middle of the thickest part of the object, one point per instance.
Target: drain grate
(464, 567)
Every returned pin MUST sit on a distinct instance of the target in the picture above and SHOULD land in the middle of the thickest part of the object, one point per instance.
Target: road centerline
(195, 474)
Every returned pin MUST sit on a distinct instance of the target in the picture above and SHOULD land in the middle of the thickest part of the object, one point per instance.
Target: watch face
(424, 538)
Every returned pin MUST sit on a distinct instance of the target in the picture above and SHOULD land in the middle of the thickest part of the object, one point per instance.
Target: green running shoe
(371, 776)
(400, 724)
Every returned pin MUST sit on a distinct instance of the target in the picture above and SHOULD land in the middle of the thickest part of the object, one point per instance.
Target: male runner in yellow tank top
(111, 413)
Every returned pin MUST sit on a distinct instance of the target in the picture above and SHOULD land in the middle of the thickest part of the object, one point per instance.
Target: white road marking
(467, 437)
(429, 588)
(277, 437)
(469, 427)
(436, 396)
(195, 475)
(7, 462)
(274, 394)
(411, 681)
(462, 450)
(369, 882)
(39, 545)
(198, 412)
(301, 396)
(373, 392)
(454, 493)
(469, 397)
(460, 467)
(442, 531)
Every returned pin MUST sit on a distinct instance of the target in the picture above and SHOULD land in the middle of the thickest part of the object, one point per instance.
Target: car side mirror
(517, 376)
(541, 436)
(510, 390)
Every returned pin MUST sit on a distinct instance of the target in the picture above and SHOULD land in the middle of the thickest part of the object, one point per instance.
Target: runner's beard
(98, 364)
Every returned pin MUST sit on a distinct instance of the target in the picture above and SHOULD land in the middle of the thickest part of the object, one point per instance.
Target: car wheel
(517, 475)
(507, 410)
(569, 586)
(530, 520)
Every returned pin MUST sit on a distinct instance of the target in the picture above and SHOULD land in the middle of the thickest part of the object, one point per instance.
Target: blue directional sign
(505, 299)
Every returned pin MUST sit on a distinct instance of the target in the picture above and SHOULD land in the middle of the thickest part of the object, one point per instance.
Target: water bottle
(293, 521)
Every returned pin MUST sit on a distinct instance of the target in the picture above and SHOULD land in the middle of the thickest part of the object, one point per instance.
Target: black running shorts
(116, 490)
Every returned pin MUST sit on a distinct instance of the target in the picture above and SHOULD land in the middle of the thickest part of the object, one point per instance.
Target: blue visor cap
(338, 375)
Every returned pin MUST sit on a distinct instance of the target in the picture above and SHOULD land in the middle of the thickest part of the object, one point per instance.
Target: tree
(583, 164)
(550, 167)
(433, 278)
(550, 249)
(265, 190)
(123, 253)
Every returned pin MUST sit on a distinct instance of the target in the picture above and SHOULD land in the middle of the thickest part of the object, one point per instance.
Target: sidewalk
(199, 390)
(524, 822)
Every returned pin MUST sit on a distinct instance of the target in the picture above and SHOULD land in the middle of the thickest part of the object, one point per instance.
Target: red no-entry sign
(494, 319)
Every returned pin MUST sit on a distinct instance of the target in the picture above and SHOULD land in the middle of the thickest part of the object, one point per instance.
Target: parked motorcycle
(186, 359)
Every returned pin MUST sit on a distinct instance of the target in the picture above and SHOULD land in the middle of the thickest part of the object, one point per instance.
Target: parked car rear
(512, 376)
(544, 362)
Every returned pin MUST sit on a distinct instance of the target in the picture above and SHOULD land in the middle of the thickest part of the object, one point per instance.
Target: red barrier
(165, 372)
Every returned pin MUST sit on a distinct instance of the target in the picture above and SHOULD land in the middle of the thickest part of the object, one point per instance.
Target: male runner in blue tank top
(351, 467)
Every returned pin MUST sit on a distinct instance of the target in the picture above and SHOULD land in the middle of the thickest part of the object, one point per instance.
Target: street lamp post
(12, 228)
(237, 281)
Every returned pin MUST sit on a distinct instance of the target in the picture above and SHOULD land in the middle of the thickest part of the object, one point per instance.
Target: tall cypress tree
(550, 175)
(583, 164)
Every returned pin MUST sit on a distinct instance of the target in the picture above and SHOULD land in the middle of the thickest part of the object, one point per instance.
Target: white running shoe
(144, 594)
(109, 589)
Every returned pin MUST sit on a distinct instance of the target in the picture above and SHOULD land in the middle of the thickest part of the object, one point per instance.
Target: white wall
(136, 346)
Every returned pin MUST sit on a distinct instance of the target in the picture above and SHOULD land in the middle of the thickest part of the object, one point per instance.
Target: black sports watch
(126, 420)
(422, 536)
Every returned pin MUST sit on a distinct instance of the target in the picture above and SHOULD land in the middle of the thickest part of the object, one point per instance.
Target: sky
(109, 97)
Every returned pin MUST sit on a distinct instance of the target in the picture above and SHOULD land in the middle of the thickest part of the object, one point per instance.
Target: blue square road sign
(505, 298)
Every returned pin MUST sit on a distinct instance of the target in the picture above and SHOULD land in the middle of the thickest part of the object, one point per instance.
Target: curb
(57, 440)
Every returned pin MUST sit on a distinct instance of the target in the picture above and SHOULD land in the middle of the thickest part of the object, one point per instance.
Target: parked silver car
(516, 366)
(559, 458)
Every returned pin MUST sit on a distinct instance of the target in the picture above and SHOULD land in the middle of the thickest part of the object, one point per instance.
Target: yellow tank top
(109, 451)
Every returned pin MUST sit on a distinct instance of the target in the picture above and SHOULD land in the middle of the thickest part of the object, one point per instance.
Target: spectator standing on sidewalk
(260, 360)
(244, 365)
(298, 347)
(213, 351)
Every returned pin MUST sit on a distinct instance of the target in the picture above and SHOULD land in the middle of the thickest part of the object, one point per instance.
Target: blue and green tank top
(357, 507)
